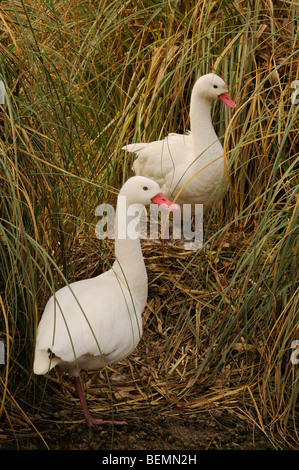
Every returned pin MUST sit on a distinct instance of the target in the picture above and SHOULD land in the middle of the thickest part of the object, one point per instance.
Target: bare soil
(219, 429)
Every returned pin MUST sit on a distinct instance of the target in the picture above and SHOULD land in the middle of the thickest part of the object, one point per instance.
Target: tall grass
(83, 79)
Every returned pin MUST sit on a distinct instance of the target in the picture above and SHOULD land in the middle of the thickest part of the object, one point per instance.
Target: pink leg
(89, 419)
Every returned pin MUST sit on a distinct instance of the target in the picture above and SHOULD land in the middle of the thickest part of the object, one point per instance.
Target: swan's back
(171, 163)
(92, 317)
(157, 160)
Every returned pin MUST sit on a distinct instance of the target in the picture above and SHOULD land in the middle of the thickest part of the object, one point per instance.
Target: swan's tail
(43, 362)
(134, 147)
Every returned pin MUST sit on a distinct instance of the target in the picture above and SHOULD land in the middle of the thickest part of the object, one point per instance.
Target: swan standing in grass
(192, 158)
(95, 322)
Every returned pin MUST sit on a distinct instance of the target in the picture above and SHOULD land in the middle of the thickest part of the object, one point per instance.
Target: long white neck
(202, 130)
(129, 263)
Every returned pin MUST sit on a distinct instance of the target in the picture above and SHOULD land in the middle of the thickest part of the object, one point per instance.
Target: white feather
(94, 322)
(189, 167)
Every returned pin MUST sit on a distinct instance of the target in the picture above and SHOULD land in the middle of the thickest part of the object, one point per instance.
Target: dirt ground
(218, 429)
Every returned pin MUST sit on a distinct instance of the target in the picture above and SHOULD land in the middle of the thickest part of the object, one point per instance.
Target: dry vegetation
(82, 80)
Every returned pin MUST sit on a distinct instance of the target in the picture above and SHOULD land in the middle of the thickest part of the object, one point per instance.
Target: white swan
(95, 322)
(178, 159)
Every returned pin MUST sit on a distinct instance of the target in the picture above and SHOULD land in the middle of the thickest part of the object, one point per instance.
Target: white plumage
(95, 322)
(190, 159)
(73, 323)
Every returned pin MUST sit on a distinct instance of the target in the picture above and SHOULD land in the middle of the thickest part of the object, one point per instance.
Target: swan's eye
(145, 188)
(215, 86)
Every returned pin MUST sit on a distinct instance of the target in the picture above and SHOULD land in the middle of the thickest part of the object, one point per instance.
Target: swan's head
(142, 190)
(211, 87)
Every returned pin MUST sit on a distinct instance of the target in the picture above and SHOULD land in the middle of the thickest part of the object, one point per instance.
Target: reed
(84, 79)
